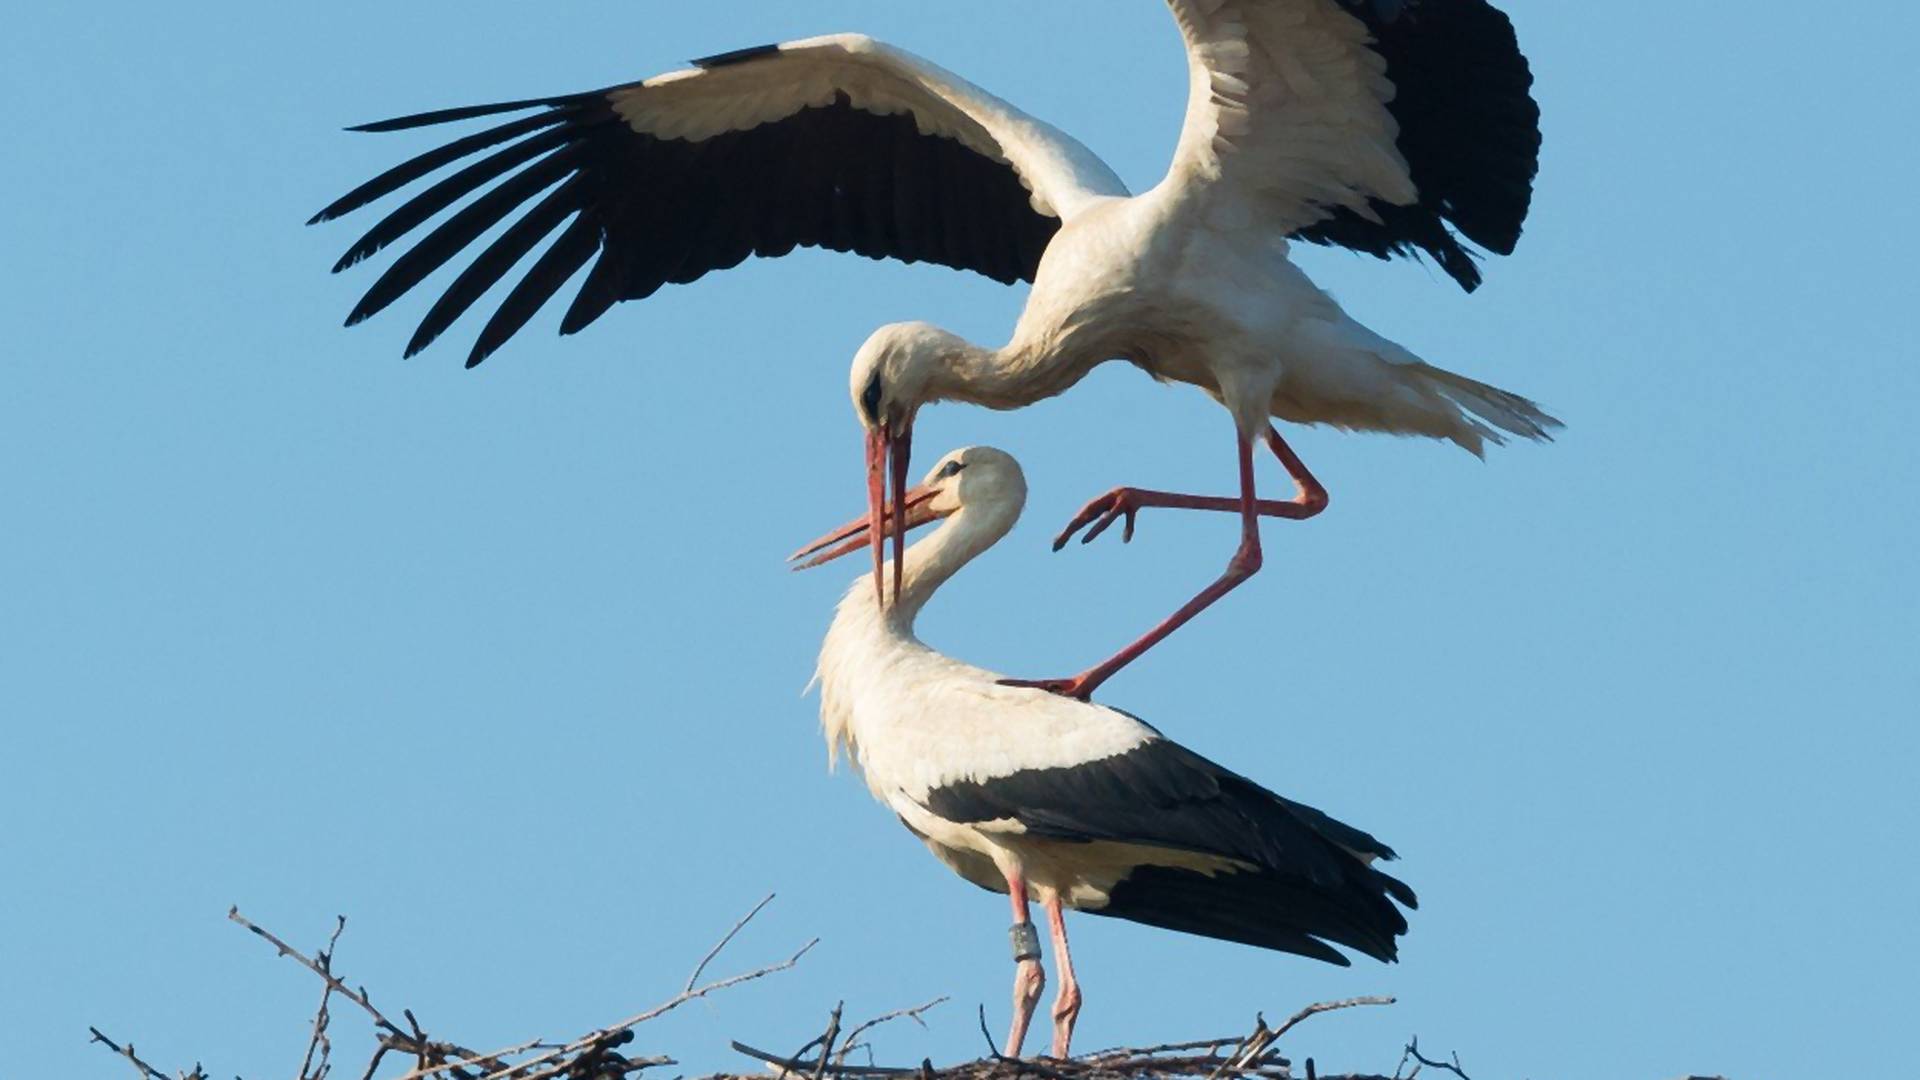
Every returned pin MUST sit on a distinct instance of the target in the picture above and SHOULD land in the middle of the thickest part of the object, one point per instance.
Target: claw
(1106, 522)
(1101, 513)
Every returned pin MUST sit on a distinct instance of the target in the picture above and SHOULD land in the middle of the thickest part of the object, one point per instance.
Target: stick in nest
(591, 1052)
(1257, 1043)
(913, 1014)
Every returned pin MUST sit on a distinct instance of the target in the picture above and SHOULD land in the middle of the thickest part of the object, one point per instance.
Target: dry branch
(140, 1066)
(1412, 1053)
(851, 1042)
(318, 1042)
(594, 1056)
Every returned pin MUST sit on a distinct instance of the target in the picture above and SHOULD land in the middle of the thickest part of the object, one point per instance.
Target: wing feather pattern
(1304, 875)
(839, 142)
(1390, 127)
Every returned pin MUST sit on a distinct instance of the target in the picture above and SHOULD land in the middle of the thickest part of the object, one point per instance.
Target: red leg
(1066, 1006)
(1310, 498)
(1029, 979)
(1126, 502)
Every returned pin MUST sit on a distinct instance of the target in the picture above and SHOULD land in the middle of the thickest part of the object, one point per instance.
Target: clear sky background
(505, 666)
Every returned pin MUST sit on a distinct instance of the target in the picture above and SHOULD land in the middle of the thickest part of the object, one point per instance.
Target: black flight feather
(1469, 131)
(1302, 878)
(658, 211)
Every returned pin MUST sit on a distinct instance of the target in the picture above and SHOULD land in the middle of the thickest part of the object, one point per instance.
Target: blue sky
(504, 665)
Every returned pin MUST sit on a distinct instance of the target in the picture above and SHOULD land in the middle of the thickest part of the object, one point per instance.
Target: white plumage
(1089, 808)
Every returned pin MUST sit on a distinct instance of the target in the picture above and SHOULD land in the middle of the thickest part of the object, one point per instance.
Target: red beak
(888, 455)
(912, 510)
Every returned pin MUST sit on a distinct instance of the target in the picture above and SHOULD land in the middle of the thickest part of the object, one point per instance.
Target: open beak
(889, 452)
(911, 510)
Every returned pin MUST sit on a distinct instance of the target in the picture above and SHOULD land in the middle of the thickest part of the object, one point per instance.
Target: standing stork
(1071, 803)
(1390, 127)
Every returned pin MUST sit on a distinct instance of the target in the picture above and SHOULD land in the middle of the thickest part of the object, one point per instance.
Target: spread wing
(1391, 127)
(838, 142)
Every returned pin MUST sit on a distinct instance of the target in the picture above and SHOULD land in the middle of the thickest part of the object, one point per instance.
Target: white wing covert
(1287, 113)
(1390, 127)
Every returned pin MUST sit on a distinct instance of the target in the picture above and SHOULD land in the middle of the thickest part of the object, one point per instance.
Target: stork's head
(894, 373)
(976, 476)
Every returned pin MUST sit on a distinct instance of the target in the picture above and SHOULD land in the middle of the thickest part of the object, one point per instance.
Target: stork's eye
(949, 470)
(870, 398)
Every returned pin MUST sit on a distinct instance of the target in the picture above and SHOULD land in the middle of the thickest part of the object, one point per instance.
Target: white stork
(1075, 804)
(1390, 127)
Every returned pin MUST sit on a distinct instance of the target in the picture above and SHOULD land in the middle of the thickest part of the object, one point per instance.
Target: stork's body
(1146, 280)
(1391, 127)
(1074, 804)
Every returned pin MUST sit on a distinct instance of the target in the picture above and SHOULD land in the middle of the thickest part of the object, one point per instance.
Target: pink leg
(1066, 1005)
(1029, 979)
(1309, 500)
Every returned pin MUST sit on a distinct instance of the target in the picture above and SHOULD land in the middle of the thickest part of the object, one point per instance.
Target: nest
(403, 1050)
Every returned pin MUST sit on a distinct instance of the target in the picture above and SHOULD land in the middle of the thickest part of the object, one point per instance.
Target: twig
(789, 1065)
(992, 1050)
(1261, 1039)
(1165, 1048)
(492, 1059)
(1021, 1064)
(1327, 1006)
(378, 1053)
(912, 1014)
(426, 1051)
(144, 1069)
(715, 951)
(664, 1007)
(826, 1040)
(319, 1039)
(1413, 1051)
(585, 1064)
(358, 997)
(561, 1059)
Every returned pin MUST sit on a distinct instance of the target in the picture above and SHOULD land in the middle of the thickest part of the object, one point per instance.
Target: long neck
(940, 555)
(865, 644)
(1023, 372)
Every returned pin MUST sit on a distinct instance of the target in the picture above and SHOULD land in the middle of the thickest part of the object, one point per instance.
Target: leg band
(1026, 942)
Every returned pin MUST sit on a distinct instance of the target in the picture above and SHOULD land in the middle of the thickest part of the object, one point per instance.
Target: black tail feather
(1262, 909)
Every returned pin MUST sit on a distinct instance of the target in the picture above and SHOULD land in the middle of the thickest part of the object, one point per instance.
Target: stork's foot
(1077, 688)
(1101, 513)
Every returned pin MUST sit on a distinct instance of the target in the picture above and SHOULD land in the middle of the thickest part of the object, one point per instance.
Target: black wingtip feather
(419, 209)
(493, 264)
(416, 167)
(1469, 130)
(670, 210)
(463, 228)
(567, 254)
(463, 112)
(1399, 890)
